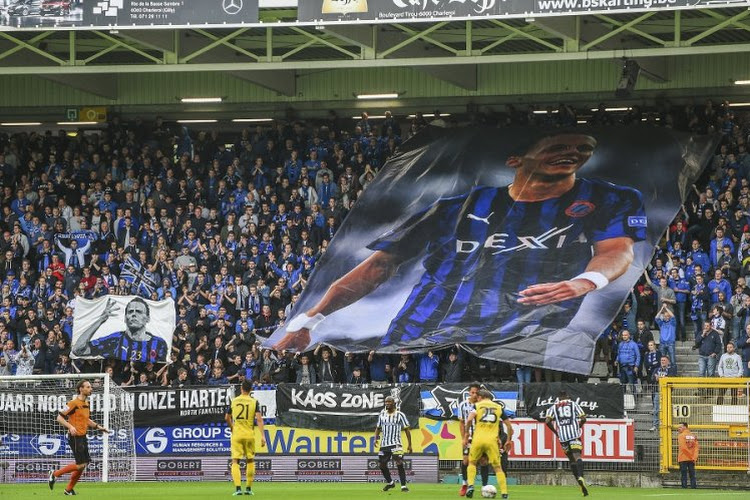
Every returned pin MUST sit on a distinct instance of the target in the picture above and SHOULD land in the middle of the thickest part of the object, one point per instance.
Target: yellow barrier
(716, 410)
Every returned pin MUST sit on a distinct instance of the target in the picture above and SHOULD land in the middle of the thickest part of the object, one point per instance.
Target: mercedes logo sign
(231, 7)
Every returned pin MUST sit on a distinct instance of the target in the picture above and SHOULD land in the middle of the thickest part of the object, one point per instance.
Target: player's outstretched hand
(550, 293)
(111, 308)
(262, 442)
(294, 341)
(408, 450)
(508, 446)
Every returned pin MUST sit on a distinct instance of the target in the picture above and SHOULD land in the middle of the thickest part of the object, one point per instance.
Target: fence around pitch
(716, 411)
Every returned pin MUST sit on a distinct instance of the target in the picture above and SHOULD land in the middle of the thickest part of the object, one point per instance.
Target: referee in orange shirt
(77, 419)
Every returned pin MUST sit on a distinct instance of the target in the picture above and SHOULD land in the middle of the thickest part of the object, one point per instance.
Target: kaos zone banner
(519, 244)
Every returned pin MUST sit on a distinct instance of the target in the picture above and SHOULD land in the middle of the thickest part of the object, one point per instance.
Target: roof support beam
(367, 63)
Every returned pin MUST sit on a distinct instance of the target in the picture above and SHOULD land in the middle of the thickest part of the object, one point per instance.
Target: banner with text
(443, 401)
(123, 14)
(197, 467)
(429, 10)
(127, 328)
(521, 244)
(597, 400)
(603, 441)
(347, 408)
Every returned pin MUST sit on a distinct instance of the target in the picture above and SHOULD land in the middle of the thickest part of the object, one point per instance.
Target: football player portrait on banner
(127, 328)
(519, 244)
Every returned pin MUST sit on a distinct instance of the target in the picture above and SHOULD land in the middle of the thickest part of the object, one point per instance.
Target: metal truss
(288, 45)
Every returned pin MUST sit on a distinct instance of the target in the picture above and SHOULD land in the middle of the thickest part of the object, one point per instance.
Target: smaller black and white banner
(344, 408)
(443, 401)
(597, 400)
(127, 328)
(187, 406)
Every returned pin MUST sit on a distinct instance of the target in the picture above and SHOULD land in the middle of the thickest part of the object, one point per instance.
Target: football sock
(574, 469)
(385, 471)
(463, 472)
(501, 481)
(66, 470)
(250, 473)
(484, 471)
(73, 479)
(401, 473)
(236, 475)
(471, 474)
(580, 467)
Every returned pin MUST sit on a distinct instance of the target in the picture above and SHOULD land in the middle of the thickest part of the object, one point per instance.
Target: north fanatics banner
(344, 408)
(123, 14)
(597, 400)
(428, 10)
(518, 243)
(184, 406)
(127, 328)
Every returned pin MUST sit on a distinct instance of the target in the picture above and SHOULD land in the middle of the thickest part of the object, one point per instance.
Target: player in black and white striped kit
(464, 409)
(565, 419)
(390, 424)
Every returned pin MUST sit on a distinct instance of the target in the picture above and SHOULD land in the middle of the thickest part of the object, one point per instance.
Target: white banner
(128, 328)
(266, 402)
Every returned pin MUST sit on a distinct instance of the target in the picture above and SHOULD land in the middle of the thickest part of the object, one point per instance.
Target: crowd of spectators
(230, 226)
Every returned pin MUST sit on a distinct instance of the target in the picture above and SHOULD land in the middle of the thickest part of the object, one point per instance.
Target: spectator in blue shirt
(628, 360)
(719, 284)
(699, 256)
(667, 333)
(718, 244)
(681, 289)
(428, 367)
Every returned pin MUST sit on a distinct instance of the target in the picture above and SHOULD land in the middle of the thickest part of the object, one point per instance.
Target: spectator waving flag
(142, 280)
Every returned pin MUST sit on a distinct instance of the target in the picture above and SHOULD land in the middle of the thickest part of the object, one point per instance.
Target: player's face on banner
(560, 155)
(136, 316)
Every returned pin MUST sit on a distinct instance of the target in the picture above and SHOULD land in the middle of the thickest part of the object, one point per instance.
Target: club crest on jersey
(579, 208)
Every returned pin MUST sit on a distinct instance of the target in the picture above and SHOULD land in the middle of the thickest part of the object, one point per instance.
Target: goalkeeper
(77, 419)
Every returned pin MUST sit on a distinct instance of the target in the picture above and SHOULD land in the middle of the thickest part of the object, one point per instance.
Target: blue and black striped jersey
(481, 249)
(119, 345)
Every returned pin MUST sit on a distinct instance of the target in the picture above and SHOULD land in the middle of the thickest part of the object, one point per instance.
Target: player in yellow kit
(486, 417)
(242, 416)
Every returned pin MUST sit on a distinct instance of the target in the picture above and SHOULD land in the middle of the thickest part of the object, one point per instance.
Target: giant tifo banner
(123, 14)
(347, 408)
(426, 10)
(519, 244)
(127, 328)
(597, 400)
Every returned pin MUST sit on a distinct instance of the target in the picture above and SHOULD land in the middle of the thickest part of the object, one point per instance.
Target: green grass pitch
(339, 491)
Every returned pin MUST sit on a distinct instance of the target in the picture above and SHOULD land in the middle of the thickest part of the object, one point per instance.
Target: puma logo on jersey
(498, 242)
(486, 220)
